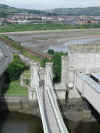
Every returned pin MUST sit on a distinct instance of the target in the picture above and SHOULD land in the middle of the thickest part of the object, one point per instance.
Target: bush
(43, 62)
(57, 68)
(51, 52)
(15, 69)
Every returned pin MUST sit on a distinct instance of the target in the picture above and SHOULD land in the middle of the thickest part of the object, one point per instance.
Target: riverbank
(19, 104)
(74, 110)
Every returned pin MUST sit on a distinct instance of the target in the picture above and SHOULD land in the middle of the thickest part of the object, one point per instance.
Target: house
(87, 20)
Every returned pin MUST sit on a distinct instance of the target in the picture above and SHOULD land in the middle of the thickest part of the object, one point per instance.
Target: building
(88, 20)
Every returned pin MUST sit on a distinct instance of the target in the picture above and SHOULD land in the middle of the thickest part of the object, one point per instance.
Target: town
(29, 18)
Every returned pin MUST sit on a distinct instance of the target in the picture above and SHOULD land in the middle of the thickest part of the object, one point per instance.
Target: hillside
(8, 9)
(89, 11)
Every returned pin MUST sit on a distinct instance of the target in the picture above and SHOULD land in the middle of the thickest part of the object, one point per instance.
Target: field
(33, 27)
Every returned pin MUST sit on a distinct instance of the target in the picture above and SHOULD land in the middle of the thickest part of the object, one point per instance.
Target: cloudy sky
(50, 4)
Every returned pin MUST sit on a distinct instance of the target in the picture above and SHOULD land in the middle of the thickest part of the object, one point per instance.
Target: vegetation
(43, 62)
(15, 68)
(57, 68)
(90, 11)
(15, 89)
(51, 52)
(56, 59)
(13, 73)
(21, 49)
(32, 27)
(7, 9)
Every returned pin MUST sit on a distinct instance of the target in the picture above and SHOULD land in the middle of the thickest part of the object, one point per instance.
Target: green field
(33, 27)
(15, 89)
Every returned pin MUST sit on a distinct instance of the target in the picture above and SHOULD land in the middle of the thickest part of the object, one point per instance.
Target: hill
(5, 9)
(89, 11)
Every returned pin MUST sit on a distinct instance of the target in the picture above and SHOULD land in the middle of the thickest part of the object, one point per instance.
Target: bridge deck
(50, 115)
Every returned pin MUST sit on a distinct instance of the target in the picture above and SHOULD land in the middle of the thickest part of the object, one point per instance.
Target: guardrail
(55, 107)
(41, 104)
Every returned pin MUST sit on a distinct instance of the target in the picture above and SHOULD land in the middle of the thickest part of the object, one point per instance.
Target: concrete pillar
(48, 75)
(64, 69)
(21, 80)
(34, 68)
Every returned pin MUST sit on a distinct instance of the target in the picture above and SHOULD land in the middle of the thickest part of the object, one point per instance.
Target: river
(19, 123)
(23, 123)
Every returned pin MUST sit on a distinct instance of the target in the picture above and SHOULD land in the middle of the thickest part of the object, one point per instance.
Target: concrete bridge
(50, 113)
(89, 88)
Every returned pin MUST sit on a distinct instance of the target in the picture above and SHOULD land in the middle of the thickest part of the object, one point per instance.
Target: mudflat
(42, 40)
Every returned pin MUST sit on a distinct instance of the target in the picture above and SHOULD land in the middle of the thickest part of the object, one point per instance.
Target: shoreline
(74, 110)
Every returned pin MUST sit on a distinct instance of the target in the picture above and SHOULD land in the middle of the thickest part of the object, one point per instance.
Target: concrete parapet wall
(19, 104)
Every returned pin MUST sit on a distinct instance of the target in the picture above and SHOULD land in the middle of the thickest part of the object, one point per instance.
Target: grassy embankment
(17, 46)
(33, 27)
(12, 86)
(15, 89)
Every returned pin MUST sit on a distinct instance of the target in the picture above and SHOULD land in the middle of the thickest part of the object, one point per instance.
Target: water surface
(19, 123)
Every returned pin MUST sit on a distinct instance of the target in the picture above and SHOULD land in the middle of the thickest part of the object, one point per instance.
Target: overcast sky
(50, 4)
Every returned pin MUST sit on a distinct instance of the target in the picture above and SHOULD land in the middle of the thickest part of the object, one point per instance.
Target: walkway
(51, 116)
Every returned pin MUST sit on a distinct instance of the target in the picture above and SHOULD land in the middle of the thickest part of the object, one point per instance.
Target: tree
(57, 68)
(51, 51)
(15, 68)
(3, 15)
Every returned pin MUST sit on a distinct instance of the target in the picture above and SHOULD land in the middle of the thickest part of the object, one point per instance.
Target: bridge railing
(55, 107)
(40, 101)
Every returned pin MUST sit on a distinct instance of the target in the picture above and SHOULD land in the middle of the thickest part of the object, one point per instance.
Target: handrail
(53, 99)
(94, 86)
(40, 101)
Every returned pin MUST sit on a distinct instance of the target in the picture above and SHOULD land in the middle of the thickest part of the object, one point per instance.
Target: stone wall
(19, 104)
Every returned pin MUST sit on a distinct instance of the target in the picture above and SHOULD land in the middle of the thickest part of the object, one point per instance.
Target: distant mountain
(8, 9)
(89, 11)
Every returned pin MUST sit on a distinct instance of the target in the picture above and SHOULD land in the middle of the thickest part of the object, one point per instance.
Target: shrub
(15, 68)
(51, 52)
(57, 68)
